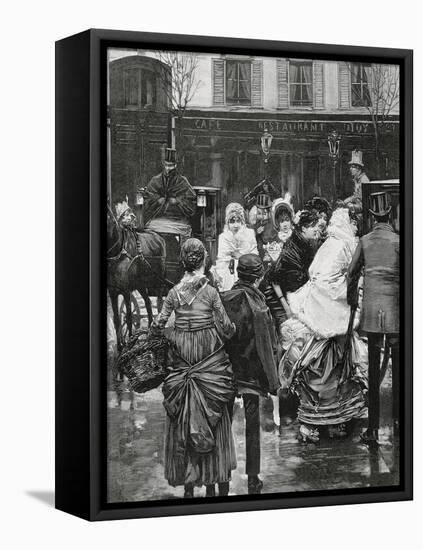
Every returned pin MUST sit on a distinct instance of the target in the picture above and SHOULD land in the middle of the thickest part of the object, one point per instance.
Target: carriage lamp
(266, 143)
(334, 139)
(201, 198)
(139, 197)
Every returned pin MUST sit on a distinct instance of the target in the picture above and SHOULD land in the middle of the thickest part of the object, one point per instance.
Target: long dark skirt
(199, 445)
(325, 398)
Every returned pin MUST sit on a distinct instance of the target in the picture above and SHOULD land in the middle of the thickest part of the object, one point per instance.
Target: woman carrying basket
(199, 447)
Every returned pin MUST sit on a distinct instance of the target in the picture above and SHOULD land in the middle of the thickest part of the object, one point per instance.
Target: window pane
(356, 99)
(360, 92)
(131, 87)
(148, 89)
(238, 82)
(301, 83)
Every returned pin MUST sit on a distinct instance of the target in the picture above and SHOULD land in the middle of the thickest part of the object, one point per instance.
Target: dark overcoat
(378, 253)
(253, 347)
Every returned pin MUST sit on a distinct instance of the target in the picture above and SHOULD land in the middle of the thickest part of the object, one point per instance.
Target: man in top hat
(253, 354)
(170, 200)
(260, 221)
(359, 177)
(378, 253)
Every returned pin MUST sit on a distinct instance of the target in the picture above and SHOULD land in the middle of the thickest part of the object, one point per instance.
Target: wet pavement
(136, 449)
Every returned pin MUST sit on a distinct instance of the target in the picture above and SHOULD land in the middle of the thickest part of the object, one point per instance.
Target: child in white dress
(235, 240)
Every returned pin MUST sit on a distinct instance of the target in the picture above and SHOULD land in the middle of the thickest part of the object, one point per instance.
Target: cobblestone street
(136, 447)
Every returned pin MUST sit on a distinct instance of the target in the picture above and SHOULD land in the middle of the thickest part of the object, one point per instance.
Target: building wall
(221, 148)
(203, 99)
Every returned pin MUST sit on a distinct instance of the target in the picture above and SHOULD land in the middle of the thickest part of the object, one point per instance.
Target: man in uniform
(359, 177)
(378, 253)
(260, 221)
(170, 201)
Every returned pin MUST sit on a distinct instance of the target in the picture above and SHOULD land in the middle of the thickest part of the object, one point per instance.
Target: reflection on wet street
(136, 447)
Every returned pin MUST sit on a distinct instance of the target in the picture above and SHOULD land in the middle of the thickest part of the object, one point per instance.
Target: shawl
(189, 287)
(172, 186)
(326, 291)
(291, 270)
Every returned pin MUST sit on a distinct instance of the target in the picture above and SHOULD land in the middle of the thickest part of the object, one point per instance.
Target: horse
(135, 261)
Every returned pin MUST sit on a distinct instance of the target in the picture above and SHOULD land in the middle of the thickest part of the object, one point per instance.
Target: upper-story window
(238, 82)
(301, 83)
(360, 79)
(139, 88)
(139, 82)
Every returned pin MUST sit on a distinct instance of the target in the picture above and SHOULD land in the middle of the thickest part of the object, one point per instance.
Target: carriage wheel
(136, 317)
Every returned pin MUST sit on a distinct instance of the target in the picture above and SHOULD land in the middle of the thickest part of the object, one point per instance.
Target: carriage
(161, 267)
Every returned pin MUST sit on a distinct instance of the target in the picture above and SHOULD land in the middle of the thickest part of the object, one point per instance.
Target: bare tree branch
(383, 88)
(179, 79)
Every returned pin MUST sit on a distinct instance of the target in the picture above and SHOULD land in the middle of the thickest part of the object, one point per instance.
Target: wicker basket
(144, 361)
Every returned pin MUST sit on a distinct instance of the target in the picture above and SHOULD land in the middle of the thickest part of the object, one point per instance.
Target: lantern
(266, 142)
(201, 198)
(139, 197)
(333, 142)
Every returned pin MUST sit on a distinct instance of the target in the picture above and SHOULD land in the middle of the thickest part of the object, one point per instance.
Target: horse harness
(140, 256)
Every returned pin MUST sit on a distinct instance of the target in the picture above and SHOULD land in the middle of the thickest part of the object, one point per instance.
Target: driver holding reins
(170, 200)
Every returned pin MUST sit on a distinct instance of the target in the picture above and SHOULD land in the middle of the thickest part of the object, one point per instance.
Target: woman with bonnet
(235, 240)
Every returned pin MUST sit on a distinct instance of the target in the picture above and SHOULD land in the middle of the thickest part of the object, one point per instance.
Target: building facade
(298, 101)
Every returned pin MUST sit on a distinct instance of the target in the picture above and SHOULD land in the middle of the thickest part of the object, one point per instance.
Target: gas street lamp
(266, 143)
(334, 139)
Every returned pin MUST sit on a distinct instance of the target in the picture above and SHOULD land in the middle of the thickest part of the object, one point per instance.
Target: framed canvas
(233, 274)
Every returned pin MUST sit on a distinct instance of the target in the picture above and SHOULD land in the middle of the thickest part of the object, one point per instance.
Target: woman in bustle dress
(199, 446)
(313, 362)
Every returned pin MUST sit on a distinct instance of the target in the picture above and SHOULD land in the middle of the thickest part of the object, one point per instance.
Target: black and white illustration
(253, 276)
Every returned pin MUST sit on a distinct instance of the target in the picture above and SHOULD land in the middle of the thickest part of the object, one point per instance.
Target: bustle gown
(199, 446)
(315, 336)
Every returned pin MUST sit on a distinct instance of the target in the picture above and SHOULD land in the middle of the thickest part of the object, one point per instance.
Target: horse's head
(125, 216)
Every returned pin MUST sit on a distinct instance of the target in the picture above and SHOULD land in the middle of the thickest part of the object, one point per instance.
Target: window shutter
(282, 72)
(218, 81)
(344, 80)
(318, 85)
(257, 84)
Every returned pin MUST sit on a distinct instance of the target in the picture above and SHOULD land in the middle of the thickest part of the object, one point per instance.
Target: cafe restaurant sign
(282, 127)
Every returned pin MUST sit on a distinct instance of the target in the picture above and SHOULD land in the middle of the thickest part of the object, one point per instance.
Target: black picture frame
(80, 273)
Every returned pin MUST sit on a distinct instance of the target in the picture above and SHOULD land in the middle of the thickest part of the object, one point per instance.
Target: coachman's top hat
(263, 201)
(379, 203)
(357, 158)
(170, 155)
